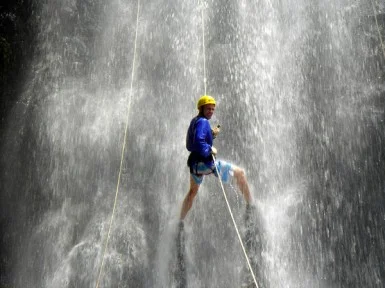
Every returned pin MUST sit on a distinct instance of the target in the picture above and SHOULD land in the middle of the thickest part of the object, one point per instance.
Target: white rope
(378, 28)
(220, 180)
(123, 151)
(204, 51)
(235, 226)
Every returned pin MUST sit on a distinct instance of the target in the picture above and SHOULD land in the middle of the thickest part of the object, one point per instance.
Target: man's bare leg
(240, 176)
(188, 200)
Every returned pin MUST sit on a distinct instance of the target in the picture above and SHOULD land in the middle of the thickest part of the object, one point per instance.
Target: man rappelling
(199, 142)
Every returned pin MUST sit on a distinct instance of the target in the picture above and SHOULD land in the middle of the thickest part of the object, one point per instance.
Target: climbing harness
(216, 168)
(123, 151)
(378, 28)
(193, 161)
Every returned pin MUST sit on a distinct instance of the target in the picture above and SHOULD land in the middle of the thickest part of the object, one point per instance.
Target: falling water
(300, 89)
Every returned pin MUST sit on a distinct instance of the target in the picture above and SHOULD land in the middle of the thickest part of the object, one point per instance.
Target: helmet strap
(201, 111)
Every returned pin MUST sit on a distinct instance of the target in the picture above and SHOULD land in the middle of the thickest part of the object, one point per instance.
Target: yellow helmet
(204, 100)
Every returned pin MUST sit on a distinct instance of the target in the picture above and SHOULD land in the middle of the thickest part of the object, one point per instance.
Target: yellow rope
(122, 154)
(378, 28)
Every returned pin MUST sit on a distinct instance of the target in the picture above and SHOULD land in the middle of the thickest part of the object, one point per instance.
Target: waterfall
(300, 89)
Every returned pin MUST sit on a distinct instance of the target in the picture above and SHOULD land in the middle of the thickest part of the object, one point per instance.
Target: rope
(122, 154)
(235, 226)
(378, 28)
(216, 168)
(204, 51)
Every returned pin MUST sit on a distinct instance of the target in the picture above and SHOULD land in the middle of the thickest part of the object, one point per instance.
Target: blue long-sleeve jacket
(200, 139)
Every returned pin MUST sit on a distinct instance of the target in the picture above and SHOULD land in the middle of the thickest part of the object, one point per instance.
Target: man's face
(208, 110)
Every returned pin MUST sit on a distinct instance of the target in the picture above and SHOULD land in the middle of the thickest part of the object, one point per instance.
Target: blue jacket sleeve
(203, 138)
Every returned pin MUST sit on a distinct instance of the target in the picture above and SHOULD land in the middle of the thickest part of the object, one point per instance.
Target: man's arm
(201, 133)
